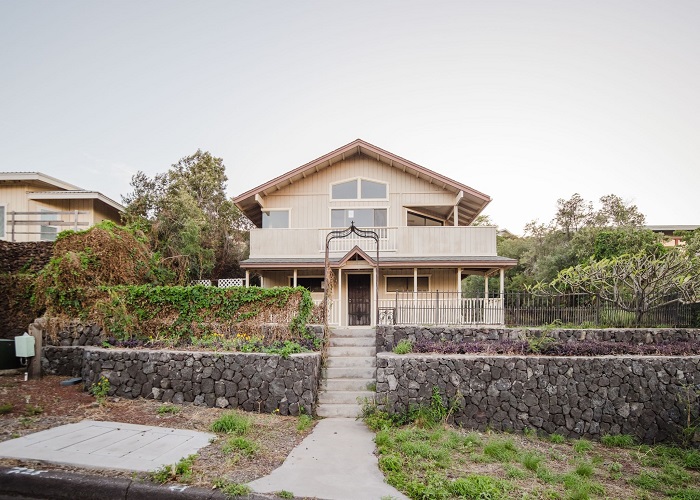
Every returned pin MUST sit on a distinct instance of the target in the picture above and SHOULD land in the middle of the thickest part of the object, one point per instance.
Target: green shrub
(232, 423)
(404, 346)
(100, 390)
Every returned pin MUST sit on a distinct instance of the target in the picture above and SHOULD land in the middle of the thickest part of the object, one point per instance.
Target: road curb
(38, 484)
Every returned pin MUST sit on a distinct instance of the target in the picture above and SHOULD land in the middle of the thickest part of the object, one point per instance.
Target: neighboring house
(36, 207)
(426, 245)
(671, 239)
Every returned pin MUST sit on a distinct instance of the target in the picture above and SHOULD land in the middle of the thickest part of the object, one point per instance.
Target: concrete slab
(336, 461)
(107, 445)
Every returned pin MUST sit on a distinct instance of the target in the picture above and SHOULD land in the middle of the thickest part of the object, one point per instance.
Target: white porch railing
(387, 241)
(333, 317)
(440, 308)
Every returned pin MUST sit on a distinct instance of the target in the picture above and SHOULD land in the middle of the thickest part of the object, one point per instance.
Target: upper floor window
(275, 219)
(415, 219)
(359, 189)
(362, 217)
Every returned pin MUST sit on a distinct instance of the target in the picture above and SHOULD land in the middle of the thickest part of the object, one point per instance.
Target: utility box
(24, 346)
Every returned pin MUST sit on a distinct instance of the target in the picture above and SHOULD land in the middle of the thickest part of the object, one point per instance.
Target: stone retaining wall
(647, 397)
(63, 361)
(27, 257)
(251, 381)
(389, 336)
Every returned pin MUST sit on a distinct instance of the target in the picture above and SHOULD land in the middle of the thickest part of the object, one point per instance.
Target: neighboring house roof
(75, 195)
(470, 205)
(672, 228)
(65, 190)
(37, 178)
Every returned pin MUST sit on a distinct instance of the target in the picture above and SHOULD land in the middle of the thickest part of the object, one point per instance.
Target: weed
(285, 494)
(501, 450)
(531, 460)
(31, 410)
(513, 472)
(26, 421)
(545, 475)
(557, 438)
(180, 472)
(304, 422)
(530, 432)
(404, 346)
(584, 469)
(232, 423)
(231, 489)
(372, 386)
(389, 463)
(478, 486)
(245, 446)
(582, 445)
(615, 470)
(617, 441)
(5, 408)
(100, 390)
(167, 409)
(691, 459)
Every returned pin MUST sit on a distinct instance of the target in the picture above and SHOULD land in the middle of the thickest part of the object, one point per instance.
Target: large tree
(637, 283)
(188, 217)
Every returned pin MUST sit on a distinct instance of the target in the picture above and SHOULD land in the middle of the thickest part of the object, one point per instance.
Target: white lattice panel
(201, 282)
(228, 282)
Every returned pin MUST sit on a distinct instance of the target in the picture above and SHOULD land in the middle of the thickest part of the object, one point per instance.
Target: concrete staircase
(351, 369)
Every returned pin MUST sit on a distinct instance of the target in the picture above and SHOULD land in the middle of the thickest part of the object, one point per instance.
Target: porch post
(486, 285)
(295, 278)
(414, 310)
(375, 293)
(340, 296)
(262, 284)
(502, 282)
(247, 278)
(459, 282)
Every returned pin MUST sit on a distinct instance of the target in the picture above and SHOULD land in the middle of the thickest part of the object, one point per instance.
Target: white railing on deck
(387, 241)
(332, 311)
(440, 308)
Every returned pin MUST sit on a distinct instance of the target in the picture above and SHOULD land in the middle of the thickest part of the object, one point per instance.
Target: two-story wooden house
(422, 224)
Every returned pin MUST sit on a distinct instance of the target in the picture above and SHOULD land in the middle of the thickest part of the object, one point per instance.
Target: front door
(359, 299)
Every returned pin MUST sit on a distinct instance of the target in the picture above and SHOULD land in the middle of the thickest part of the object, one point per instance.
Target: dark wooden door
(359, 299)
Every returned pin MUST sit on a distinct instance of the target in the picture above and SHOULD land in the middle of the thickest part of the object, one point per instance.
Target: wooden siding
(310, 204)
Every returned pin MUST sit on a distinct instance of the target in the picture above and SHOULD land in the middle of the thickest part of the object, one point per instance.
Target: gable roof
(37, 178)
(471, 202)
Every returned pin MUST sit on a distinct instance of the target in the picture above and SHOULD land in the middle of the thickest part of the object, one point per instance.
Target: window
(275, 219)
(405, 284)
(359, 189)
(3, 221)
(362, 217)
(312, 284)
(414, 219)
(47, 232)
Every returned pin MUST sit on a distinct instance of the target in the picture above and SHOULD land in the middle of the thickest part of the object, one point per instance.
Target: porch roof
(485, 262)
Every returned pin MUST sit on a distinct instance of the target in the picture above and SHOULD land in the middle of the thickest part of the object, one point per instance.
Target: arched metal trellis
(344, 233)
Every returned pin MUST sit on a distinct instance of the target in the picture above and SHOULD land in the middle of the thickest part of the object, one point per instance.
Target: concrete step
(351, 351)
(351, 372)
(353, 342)
(344, 397)
(347, 384)
(351, 361)
(338, 410)
(353, 332)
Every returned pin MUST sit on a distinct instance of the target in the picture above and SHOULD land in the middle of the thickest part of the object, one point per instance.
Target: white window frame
(42, 225)
(359, 189)
(330, 213)
(422, 214)
(288, 210)
(386, 282)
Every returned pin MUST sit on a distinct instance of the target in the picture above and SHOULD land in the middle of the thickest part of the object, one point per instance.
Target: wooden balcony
(393, 241)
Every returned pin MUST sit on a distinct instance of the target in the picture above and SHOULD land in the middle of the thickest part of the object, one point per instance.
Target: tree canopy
(188, 217)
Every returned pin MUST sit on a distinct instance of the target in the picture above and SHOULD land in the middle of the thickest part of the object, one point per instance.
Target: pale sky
(526, 101)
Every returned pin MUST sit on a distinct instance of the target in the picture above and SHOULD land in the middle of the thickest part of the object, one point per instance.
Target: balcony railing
(404, 241)
(333, 317)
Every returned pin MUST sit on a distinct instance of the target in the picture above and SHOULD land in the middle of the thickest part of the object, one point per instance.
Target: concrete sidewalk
(107, 445)
(336, 461)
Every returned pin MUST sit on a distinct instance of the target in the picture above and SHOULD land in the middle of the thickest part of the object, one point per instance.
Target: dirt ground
(35, 405)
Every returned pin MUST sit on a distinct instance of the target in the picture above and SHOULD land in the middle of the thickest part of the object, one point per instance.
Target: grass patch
(232, 423)
(304, 422)
(31, 410)
(478, 486)
(5, 408)
(404, 346)
(284, 494)
(242, 445)
(618, 440)
(180, 472)
(501, 450)
(582, 446)
(531, 460)
(584, 469)
(231, 489)
(167, 409)
(557, 439)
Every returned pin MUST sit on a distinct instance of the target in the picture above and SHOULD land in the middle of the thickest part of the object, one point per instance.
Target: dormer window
(359, 189)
